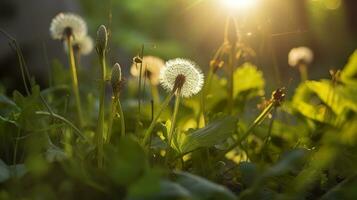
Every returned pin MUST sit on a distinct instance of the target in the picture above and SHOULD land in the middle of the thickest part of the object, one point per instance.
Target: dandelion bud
(116, 79)
(102, 39)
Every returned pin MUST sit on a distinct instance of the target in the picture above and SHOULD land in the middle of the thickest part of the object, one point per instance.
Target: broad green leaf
(248, 172)
(127, 162)
(169, 190)
(309, 105)
(333, 95)
(248, 78)
(203, 189)
(212, 134)
(288, 162)
(146, 186)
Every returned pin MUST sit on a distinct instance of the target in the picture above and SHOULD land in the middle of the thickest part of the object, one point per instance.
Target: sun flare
(238, 4)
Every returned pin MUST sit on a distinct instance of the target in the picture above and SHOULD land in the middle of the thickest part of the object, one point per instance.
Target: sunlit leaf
(349, 73)
(212, 134)
(248, 78)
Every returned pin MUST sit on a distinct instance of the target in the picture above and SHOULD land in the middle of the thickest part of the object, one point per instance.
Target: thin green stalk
(122, 121)
(230, 80)
(139, 89)
(267, 139)
(115, 103)
(140, 78)
(256, 122)
(111, 118)
(174, 118)
(205, 90)
(74, 80)
(76, 130)
(303, 72)
(152, 125)
(16, 146)
(100, 126)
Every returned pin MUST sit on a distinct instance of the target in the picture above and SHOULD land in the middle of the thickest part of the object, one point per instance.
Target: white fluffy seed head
(67, 21)
(83, 45)
(193, 81)
(151, 67)
(300, 55)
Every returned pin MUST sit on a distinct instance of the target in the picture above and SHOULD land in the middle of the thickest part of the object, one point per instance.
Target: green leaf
(288, 162)
(349, 73)
(333, 95)
(307, 103)
(248, 78)
(145, 187)
(214, 133)
(203, 189)
(127, 162)
(169, 190)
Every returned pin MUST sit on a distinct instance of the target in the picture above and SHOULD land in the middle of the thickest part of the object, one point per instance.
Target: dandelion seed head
(300, 55)
(176, 68)
(83, 45)
(67, 23)
(151, 67)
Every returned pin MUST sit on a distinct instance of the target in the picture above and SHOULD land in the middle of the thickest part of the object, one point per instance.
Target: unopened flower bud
(116, 79)
(102, 39)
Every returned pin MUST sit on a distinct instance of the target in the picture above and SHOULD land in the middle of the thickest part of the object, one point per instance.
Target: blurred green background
(194, 29)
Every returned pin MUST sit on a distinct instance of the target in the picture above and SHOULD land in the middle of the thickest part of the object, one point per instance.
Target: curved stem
(76, 130)
(152, 125)
(74, 78)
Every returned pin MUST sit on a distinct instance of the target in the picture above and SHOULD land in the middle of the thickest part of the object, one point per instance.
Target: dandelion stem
(74, 79)
(256, 122)
(303, 72)
(100, 126)
(115, 103)
(231, 80)
(122, 121)
(111, 118)
(205, 91)
(174, 118)
(164, 104)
